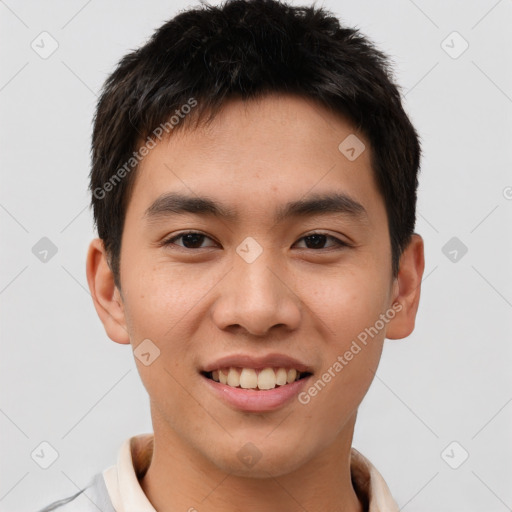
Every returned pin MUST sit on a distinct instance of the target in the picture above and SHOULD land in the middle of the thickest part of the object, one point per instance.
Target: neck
(180, 479)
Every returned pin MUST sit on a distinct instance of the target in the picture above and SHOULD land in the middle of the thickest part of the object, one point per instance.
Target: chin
(263, 462)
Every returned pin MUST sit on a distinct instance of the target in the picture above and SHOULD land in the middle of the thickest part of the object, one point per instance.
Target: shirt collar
(126, 494)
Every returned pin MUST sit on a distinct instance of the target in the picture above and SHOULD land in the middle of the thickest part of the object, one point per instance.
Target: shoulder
(92, 497)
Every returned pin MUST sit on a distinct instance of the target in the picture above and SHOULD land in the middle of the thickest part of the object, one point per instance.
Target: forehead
(257, 153)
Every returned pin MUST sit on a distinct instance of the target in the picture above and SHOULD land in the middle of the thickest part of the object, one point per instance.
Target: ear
(406, 289)
(105, 295)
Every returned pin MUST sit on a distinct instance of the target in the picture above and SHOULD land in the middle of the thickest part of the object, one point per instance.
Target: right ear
(105, 294)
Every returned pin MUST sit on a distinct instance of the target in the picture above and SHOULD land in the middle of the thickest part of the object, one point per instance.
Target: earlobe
(105, 295)
(408, 286)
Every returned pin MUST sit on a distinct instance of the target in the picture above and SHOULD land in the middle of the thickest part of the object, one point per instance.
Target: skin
(198, 304)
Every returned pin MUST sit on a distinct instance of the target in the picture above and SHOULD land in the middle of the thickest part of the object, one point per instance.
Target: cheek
(347, 301)
(157, 302)
(349, 308)
(159, 295)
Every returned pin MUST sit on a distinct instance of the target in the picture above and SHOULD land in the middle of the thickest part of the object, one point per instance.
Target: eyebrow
(174, 203)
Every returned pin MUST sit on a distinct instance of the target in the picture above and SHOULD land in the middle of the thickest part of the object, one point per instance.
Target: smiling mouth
(257, 380)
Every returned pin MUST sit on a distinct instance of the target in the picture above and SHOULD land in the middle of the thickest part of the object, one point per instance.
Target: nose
(256, 298)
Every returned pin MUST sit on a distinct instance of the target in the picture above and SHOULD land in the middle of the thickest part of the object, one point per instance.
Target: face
(289, 270)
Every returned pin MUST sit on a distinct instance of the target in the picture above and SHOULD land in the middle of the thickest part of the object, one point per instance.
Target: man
(254, 187)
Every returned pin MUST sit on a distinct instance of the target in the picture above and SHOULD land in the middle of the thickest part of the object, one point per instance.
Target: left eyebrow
(323, 204)
(317, 204)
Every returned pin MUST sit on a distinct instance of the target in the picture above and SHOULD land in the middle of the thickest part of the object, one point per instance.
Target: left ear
(408, 286)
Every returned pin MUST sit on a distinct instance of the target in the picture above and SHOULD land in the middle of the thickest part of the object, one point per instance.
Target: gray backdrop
(437, 419)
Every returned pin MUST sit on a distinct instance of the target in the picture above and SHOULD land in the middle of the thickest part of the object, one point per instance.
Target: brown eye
(190, 240)
(318, 240)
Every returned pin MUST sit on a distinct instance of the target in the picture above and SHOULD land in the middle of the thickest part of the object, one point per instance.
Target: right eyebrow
(174, 203)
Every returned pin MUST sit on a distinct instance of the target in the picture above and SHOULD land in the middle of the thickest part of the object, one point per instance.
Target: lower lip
(250, 400)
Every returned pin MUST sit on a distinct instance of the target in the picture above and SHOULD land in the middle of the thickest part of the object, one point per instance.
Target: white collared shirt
(118, 489)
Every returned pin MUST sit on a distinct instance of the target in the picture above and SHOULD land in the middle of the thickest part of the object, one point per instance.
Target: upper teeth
(248, 378)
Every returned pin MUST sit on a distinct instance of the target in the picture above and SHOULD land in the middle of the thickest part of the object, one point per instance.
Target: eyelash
(339, 243)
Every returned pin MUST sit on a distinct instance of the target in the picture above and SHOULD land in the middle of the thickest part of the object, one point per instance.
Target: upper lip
(257, 362)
